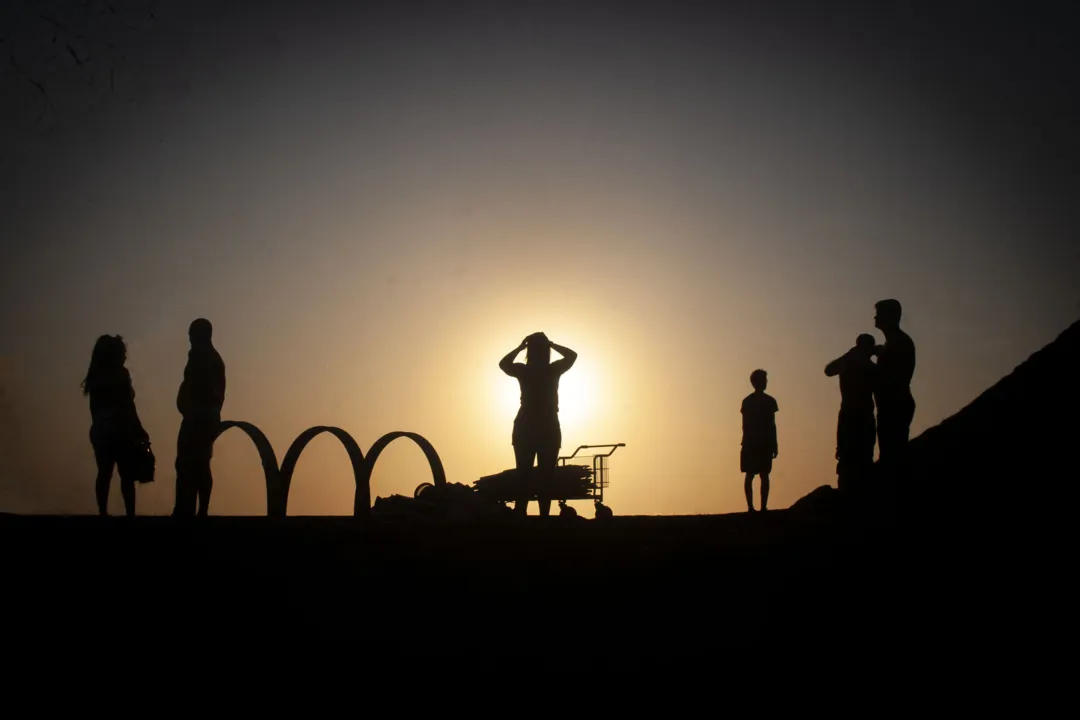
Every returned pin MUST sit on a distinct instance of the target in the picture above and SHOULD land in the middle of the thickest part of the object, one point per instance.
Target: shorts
(755, 460)
(536, 433)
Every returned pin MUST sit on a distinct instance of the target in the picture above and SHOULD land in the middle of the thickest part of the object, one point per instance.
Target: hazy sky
(374, 202)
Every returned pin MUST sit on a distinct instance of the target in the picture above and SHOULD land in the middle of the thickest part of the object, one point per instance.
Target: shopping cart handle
(613, 446)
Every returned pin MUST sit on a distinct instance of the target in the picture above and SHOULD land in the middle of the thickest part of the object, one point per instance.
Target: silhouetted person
(759, 447)
(855, 426)
(537, 432)
(115, 429)
(201, 396)
(895, 404)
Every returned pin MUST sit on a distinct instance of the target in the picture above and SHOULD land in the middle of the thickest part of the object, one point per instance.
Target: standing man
(855, 427)
(896, 367)
(201, 396)
(759, 445)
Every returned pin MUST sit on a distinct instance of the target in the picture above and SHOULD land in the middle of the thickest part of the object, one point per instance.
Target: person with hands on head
(537, 433)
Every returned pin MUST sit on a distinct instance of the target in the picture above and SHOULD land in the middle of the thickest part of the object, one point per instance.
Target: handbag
(143, 462)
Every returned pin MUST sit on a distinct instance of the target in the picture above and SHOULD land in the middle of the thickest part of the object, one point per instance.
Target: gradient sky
(374, 202)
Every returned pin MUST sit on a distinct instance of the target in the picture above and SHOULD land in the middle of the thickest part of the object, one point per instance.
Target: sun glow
(578, 395)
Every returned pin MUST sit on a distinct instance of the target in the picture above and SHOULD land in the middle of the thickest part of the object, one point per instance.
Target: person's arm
(129, 401)
(569, 357)
(219, 386)
(130, 385)
(184, 390)
(775, 444)
(507, 364)
(838, 365)
(136, 426)
(909, 361)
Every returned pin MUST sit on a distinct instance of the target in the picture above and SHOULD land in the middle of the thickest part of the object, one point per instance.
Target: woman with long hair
(115, 429)
(537, 433)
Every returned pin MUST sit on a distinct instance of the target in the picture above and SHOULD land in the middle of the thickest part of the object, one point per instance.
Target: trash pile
(573, 482)
(487, 496)
(450, 501)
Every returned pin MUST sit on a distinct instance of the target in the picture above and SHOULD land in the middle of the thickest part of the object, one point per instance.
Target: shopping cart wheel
(565, 510)
(603, 512)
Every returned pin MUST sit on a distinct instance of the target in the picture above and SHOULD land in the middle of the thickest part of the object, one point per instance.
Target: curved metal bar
(438, 474)
(361, 473)
(274, 499)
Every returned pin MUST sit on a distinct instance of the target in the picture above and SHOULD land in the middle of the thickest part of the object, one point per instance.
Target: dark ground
(633, 588)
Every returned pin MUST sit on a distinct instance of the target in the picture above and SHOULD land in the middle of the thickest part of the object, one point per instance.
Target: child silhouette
(759, 446)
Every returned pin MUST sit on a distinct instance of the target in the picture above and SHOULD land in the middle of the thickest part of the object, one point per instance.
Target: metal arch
(360, 471)
(438, 474)
(274, 498)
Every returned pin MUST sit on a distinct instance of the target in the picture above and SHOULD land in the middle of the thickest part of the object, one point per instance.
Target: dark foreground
(634, 588)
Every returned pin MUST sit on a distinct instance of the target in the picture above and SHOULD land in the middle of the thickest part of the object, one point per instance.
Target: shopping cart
(594, 490)
(570, 481)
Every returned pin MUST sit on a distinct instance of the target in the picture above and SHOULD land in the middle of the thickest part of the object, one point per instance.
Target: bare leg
(127, 489)
(748, 488)
(546, 462)
(205, 485)
(184, 505)
(523, 457)
(185, 493)
(105, 462)
(101, 487)
(205, 476)
(764, 491)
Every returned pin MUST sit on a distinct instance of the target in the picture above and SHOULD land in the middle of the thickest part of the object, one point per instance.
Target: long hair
(539, 351)
(109, 355)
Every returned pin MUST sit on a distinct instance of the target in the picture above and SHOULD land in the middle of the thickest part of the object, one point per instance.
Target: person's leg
(523, 457)
(185, 489)
(865, 453)
(190, 480)
(105, 460)
(843, 457)
(748, 488)
(204, 476)
(203, 488)
(546, 461)
(885, 436)
(903, 436)
(182, 505)
(908, 417)
(185, 492)
(127, 489)
(853, 450)
(893, 429)
(208, 433)
(764, 491)
(127, 484)
(125, 465)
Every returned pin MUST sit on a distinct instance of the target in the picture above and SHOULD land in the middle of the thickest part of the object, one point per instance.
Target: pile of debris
(570, 482)
(451, 501)
(488, 496)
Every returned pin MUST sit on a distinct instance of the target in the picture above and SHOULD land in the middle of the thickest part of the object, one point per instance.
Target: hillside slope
(1010, 445)
(1017, 434)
